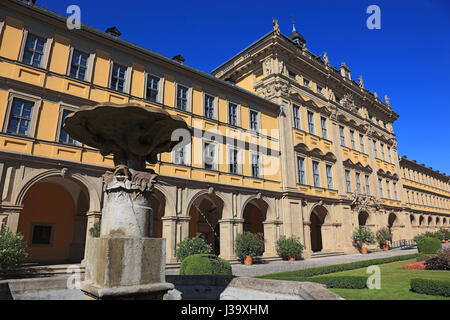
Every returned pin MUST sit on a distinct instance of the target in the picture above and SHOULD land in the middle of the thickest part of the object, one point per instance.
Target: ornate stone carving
(362, 202)
(361, 82)
(325, 59)
(348, 102)
(267, 67)
(276, 27)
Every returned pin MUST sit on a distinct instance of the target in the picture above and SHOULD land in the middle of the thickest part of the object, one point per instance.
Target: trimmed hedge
(205, 264)
(341, 282)
(431, 287)
(339, 267)
(423, 257)
(429, 245)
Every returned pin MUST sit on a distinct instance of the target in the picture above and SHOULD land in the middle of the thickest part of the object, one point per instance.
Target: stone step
(327, 254)
(40, 271)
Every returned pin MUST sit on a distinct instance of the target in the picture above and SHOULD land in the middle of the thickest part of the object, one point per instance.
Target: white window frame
(216, 155)
(214, 106)
(63, 107)
(238, 159)
(259, 157)
(305, 176)
(47, 49)
(127, 83)
(90, 64)
(34, 117)
(188, 95)
(238, 113)
(258, 119)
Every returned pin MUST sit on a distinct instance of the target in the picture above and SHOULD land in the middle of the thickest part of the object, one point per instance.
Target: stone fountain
(124, 262)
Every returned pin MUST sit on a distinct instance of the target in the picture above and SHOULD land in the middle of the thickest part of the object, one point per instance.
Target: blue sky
(408, 59)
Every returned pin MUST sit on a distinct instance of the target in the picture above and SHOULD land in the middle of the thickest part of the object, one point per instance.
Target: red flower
(416, 265)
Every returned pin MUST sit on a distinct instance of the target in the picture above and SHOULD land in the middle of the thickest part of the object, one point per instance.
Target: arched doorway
(205, 213)
(254, 215)
(421, 221)
(158, 204)
(318, 216)
(53, 220)
(363, 217)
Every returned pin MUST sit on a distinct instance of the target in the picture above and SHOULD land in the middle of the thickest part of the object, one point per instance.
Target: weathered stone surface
(132, 132)
(119, 267)
(264, 289)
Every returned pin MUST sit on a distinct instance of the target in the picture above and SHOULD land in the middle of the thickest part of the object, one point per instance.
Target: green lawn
(394, 283)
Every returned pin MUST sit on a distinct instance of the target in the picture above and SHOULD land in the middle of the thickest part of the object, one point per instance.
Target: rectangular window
(394, 185)
(20, 117)
(375, 152)
(42, 235)
(254, 120)
(209, 107)
(367, 185)
(152, 88)
(323, 123)
(407, 195)
(34, 50)
(329, 173)
(358, 182)
(306, 82)
(352, 139)
(234, 168)
(319, 90)
(389, 154)
(388, 189)
(342, 134)
(255, 165)
(311, 122)
(348, 181)
(361, 143)
(232, 114)
(316, 173)
(296, 113)
(78, 65)
(380, 185)
(118, 77)
(382, 152)
(209, 156)
(64, 137)
(292, 75)
(301, 170)
(180, 156)
(182, 98)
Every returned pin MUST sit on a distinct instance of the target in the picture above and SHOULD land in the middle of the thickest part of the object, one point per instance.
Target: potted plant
(248, 245)
(383, 236)
(363, 236)
(289, 248)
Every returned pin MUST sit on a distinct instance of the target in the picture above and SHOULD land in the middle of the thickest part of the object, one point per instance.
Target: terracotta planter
(385, 247)
(248, 260)
(364, 250)
(292, 257)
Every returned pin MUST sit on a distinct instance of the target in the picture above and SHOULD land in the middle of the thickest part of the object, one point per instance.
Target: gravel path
(280, 266)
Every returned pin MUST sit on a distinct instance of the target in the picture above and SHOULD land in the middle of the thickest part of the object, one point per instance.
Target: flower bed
(416, 265)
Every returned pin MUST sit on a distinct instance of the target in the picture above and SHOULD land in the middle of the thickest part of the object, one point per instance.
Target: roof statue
(276, 27)
(361, 82)
(386, 99)
(325, 59)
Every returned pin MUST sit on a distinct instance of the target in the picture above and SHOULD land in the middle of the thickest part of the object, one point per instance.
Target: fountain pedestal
(125, 263)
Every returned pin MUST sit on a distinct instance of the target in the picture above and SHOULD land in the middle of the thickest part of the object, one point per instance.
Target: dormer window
(292, 75)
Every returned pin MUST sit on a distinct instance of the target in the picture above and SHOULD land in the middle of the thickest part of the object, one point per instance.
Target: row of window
(316, 173)
(425, 179)
(416, 197)
(181, 156)
(324, 134)
(119, 78)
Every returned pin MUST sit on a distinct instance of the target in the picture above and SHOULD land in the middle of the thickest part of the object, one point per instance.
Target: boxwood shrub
(341, 282)
(338, 267)
(205, 264)
(429, 245)
(431, 287)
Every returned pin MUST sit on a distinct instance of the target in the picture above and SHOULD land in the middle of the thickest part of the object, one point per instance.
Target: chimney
(113, 31)
(179, 58)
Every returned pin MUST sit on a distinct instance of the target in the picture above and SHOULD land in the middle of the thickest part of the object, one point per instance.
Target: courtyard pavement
(241, 270)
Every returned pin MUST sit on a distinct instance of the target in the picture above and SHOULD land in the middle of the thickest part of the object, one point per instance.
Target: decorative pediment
(315, 152)
(357, 166)
(362, 202)
(387, 174)
(348, 102)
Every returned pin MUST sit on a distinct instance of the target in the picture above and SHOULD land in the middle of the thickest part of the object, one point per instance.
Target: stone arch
(54, 217)
(412, 220)
(430, 220)
(205, 212)
(83, 181)
(437, 221)
(421, 220)
(254, 214)
(363, 218)
(319, 216)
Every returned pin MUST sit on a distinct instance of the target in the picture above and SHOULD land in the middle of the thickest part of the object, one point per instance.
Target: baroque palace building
(283, 143)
